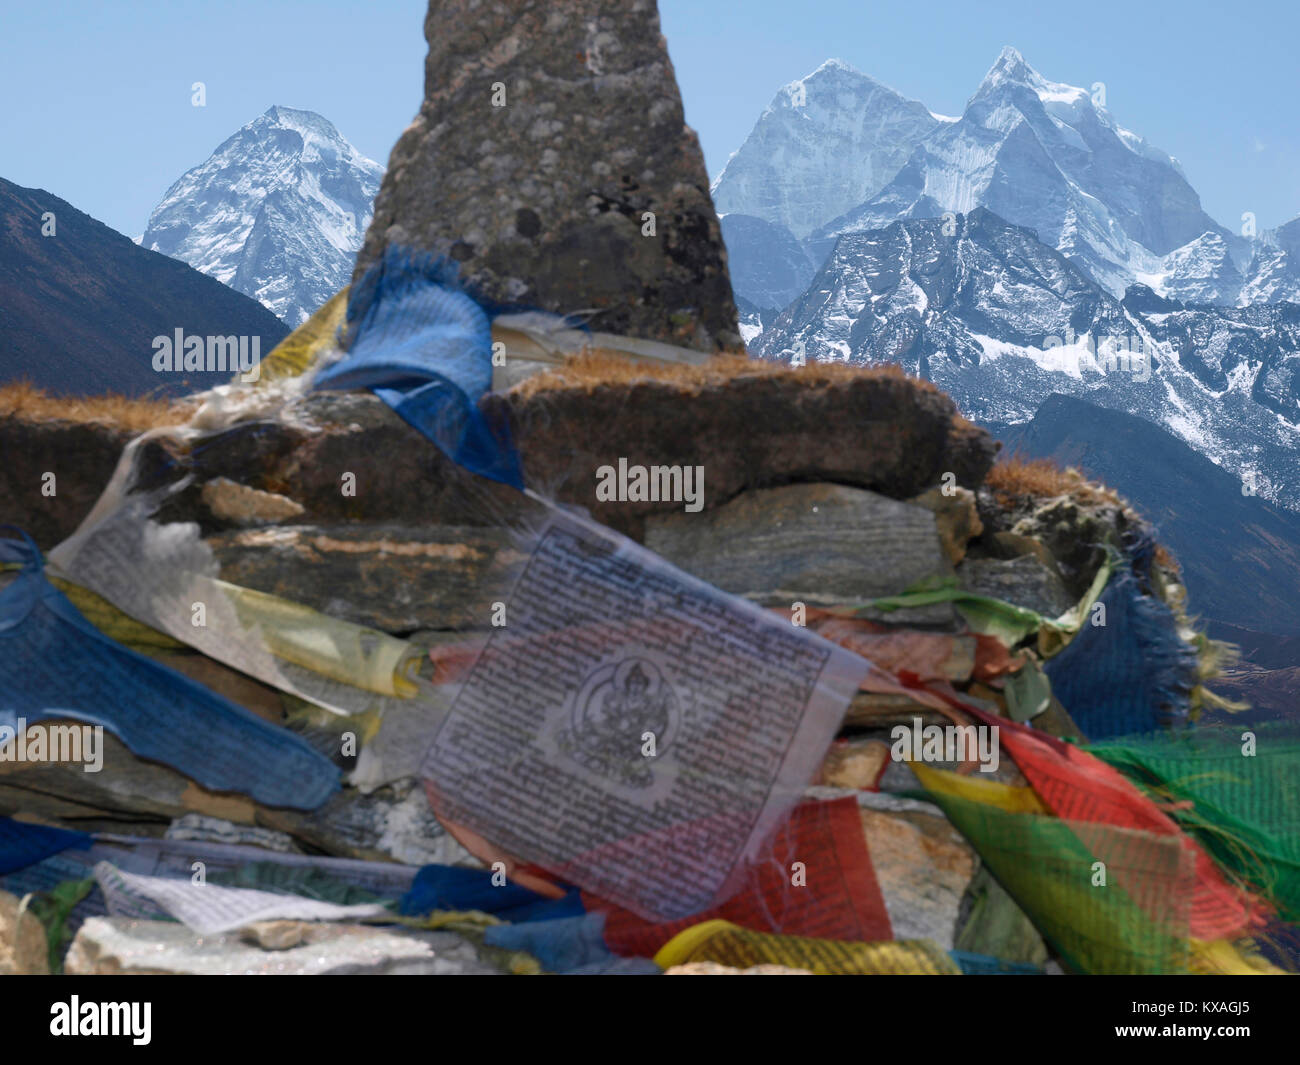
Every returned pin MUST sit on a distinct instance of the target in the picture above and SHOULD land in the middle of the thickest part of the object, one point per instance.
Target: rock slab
(121, 946)
(820, 544)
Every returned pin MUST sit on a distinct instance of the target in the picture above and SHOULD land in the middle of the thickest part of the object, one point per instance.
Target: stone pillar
(552, 160)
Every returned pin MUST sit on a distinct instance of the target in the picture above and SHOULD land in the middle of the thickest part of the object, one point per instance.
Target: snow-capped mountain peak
(1043, 154)
(825, 143)
(311, 126)
(1046, 155)
(278, 211)
(1010, 68)
(835, 64)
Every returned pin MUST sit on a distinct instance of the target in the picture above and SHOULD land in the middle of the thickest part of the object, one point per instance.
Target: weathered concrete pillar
(551, 158)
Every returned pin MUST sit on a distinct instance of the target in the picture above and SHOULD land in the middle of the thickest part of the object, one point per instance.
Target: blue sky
(97, 95)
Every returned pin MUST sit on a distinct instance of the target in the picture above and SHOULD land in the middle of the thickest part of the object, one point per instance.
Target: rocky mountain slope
(1274, 273)
(1001, 321)
(768, 265)
(277, 212)
(80, 308)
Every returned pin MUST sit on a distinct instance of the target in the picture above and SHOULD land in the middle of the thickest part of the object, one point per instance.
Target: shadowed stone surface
(1025, 581)
(391, 823)
(80, 455)
(391, 577)
(548, 131)
(127, 789)
(750, 430)
(816, 543)
(890, 434)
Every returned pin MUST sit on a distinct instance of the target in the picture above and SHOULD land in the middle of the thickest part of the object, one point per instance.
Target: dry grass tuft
(1015, 480)
(593, 368)
(22, 399)
(1165, 559)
